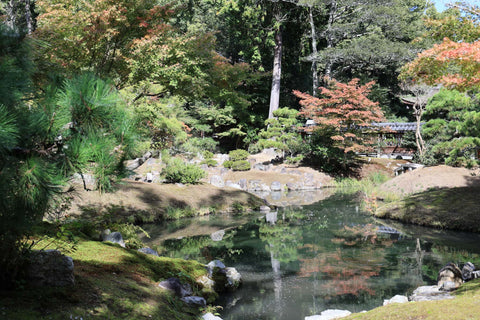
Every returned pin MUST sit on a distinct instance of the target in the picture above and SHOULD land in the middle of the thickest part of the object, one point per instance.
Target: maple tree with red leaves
(346, 111)
(452, 64)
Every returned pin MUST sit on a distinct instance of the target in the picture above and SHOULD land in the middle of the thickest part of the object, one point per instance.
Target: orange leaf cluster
(452, 64)
(346, 108)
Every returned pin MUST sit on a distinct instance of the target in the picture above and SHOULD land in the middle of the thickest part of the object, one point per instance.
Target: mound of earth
(151, 201)
(428, 178)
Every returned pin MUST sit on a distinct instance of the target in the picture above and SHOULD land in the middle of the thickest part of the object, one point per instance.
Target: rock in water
(50, 268)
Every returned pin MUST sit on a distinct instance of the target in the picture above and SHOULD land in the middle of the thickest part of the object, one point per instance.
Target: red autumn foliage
(345, 108)
(452, 64)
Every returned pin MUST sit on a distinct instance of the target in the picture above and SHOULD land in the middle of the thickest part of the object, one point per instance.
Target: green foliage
(210, 162)
(130, 234)
(207, 154)
(228, 164)
(451, 130)
(281, 133)
(195, 145)
(240, 165)
(239, 154)
(178, 171)
(159, 120)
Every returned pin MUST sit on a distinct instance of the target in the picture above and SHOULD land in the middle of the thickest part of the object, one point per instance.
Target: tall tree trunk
(329, 36)
(11, 10)
(314, 53)
(277, 72)
(28, 17)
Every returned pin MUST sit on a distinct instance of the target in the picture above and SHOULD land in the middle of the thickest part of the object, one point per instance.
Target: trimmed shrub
(228, 164)
(207, 155)
(240, 165)
(238, 154)
(210, 162)
(178, 171)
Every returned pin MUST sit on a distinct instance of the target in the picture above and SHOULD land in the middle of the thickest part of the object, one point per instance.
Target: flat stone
(429, 293)
(330, 314)
(217, 181)
(217, 235)
(265, 209)
(396, 299)
(148, 251)
(292, 186)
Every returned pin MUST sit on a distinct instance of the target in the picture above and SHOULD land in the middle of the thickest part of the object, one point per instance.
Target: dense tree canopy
(81, 81)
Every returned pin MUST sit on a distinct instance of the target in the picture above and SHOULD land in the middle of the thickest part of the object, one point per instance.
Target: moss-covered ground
(111, 283)
(448, 208)
(465, 306)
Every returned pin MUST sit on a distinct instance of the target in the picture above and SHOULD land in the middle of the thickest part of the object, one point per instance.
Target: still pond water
(329, 255)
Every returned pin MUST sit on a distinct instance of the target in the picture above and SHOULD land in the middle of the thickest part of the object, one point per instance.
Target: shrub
(238, 154)
(209, 162)
(240, 165)
(177, 171)
(207, 155)
(228, 164)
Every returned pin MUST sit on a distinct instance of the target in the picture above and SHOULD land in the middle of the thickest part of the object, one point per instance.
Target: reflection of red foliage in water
(342, 275)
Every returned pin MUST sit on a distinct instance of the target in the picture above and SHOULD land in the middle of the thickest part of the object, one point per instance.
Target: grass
(368, 189)
(465, 306)
(449, 208)
(111, 283)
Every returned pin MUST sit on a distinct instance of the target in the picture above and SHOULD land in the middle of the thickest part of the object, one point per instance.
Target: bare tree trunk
(11, 11)
(314, 53)
(329, 37)
(277, 72)
(28, 17)
(418, 134)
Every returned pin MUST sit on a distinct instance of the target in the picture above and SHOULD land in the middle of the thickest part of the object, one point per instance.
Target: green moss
(454, 208)
(464, 306)
(111, 283)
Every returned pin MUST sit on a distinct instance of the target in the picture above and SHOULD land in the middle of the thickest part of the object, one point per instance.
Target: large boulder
(449, 277)
(175, 286)
(50, 268)
(224, 279)
(114, 237)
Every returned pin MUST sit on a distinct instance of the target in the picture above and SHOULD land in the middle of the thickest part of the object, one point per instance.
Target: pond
(329, 255)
